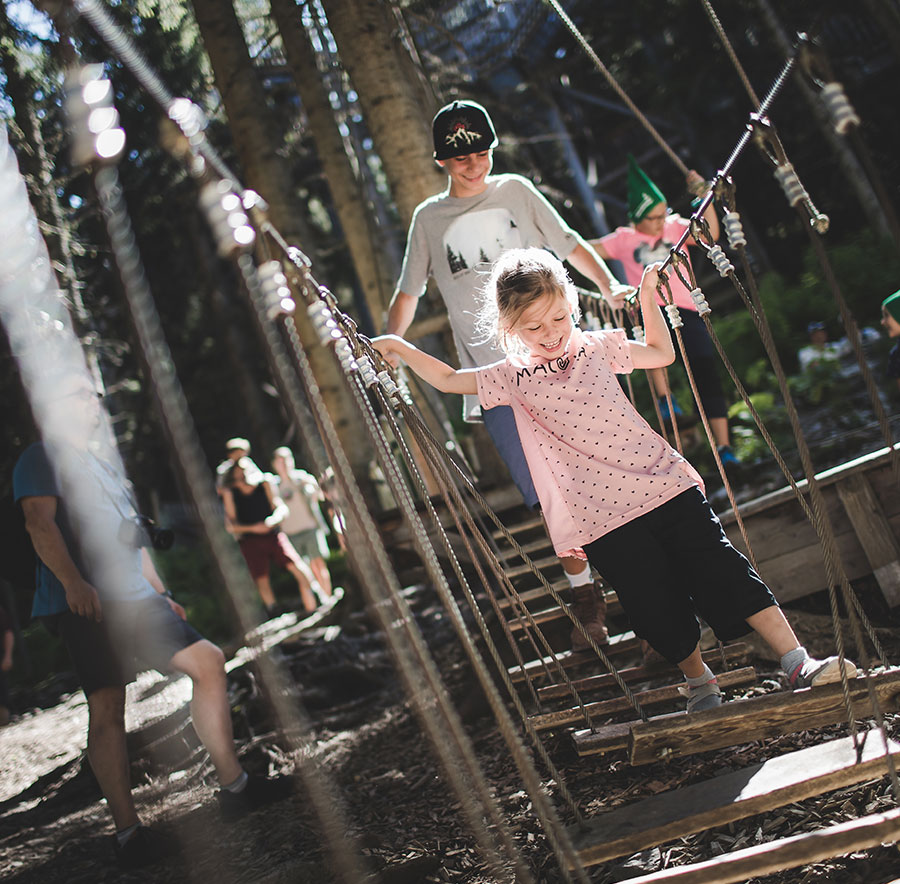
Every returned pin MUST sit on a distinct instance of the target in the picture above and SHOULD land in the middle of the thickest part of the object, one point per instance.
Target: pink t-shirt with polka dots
(595, 462)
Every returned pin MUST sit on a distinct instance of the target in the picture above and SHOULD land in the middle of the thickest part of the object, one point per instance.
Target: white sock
(238, 785)
(581, 578)
(700, 680)
(123, 836)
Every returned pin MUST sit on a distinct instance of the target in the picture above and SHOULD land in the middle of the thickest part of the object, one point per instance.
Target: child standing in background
(607, 483)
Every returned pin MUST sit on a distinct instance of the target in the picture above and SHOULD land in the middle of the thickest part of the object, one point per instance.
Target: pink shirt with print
(595, 462)
(636, 250)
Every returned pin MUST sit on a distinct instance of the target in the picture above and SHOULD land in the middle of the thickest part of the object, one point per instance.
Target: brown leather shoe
(590, 609)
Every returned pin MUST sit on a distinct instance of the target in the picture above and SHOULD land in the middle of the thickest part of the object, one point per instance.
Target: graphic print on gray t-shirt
(480, 237)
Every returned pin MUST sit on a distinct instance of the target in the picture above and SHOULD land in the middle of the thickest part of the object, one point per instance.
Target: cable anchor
(720, 261)
(734, 230)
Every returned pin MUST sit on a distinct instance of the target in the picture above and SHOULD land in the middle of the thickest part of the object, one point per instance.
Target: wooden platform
(733, 796)
(618, 644)
(740, 721)
(862, 500)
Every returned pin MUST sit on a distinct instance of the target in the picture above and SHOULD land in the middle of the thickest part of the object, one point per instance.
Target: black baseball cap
(461, 128)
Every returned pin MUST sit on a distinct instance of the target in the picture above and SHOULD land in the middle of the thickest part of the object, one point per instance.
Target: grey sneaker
(706, 696)
(812, 673)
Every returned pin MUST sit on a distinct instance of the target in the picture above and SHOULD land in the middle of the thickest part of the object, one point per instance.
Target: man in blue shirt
(98, 590)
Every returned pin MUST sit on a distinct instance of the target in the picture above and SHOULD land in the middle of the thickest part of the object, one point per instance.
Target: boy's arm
(279, 507)
(50, 546)
(401, 312)
(440, 375)
(657, 349)
(586, 261)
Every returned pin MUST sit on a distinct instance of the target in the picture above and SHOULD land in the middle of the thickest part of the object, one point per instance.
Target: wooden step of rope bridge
(740, 721)
(604, 708)
(737, 795)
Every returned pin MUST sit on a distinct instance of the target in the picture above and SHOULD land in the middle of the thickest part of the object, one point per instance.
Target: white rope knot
(734, 230)
(700, 301)
(674, 316)
(791, 184)
(225, 213)
(275, 290)
(720, 261)
(638, 332)
(367, 370)
(843, 116)
(388, 383)
(323, 323)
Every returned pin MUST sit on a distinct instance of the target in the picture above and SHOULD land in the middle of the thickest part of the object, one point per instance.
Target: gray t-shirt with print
(457, 239)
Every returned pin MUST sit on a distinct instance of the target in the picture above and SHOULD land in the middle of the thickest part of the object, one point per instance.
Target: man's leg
(321, 573)
(108, 754)
(204, 664)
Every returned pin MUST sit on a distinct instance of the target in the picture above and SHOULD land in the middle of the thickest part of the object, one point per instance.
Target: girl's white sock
(581, 578)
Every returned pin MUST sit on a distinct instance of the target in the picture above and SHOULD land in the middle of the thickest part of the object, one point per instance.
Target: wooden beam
(759, 717)
(549, 615)
(618, 644)
(874, 533)
(776, 782)
(565, 717)
(733, 654)
(787, 853)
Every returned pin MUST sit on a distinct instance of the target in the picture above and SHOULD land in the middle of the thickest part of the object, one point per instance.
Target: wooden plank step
(540, 564)
(618, 644)
(733, 654)
(548, 615)
(530, 595)
(677, 734)
(564, 717)
(762, 787)
(520, 527)
(787, 853)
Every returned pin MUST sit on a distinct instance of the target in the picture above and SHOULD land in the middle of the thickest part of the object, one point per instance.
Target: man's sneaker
(812, 673)
(706, 696)
(145, 847)
(728, 457)
(258, 792)
(590, 610)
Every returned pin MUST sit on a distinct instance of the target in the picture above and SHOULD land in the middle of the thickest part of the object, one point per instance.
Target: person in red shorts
(253, 514)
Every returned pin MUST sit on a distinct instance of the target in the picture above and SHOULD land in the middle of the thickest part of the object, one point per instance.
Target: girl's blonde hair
(518, 278)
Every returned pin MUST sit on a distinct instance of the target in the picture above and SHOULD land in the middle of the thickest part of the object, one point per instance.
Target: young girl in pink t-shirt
(607, 483)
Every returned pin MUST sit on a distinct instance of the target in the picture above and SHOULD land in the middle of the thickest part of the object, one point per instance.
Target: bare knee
(202, 661)
(106, 710)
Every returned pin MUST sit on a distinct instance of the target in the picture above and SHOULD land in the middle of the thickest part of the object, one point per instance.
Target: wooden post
(874, 533)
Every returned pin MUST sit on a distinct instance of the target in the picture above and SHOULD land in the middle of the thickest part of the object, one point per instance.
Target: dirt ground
(380, 769)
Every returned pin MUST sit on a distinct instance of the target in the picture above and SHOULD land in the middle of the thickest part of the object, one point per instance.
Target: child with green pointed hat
(890, 319)
(650, 236)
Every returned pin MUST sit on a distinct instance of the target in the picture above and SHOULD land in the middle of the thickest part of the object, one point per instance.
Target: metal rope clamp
(225, 213)
(93, 120)
(734, 230)
(814, 63)
(720, 261)
(276, 292)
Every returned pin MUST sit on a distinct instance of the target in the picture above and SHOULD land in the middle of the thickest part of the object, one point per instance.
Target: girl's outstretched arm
(657, 349)
(440, 375)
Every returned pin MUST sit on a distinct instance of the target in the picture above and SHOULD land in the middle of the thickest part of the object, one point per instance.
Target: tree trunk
(365, 243)
(379, 68)
(257, 143)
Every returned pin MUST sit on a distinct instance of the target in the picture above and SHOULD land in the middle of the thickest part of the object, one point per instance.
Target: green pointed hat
(643, 194)
(892, 304)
